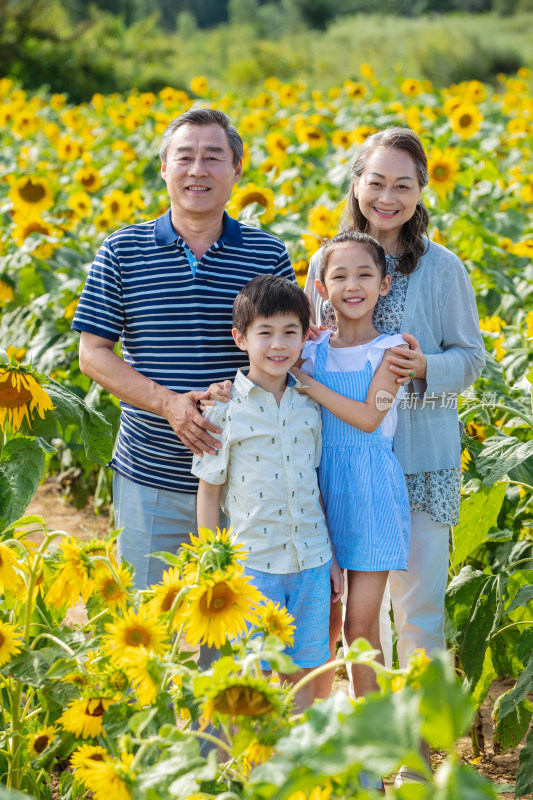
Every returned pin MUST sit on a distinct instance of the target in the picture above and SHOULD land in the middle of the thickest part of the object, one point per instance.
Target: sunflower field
(121, 702)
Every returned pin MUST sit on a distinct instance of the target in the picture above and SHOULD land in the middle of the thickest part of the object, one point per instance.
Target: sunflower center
(242, 701)
(96, 757)
(88, 180)
(168, 599)
(111, 589)
(137, 637)
(11, 397)
(255, 197)
(2, 637)
(465, 120)
(222, 598)
(32, 192)
(440, 173)
(35, 227)
(41, 743)
(98, 711)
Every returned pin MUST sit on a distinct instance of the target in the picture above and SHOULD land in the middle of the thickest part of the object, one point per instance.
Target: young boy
(264, 474)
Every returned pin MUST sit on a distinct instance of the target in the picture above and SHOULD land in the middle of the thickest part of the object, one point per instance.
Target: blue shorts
(306, 595)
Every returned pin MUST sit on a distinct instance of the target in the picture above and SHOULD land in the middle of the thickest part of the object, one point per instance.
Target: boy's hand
(220, 392)
(337, 582)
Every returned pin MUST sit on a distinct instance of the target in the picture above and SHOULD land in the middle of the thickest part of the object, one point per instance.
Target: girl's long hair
(414, 231)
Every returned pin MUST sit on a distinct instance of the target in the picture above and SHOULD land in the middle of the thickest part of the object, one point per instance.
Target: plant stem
(209, 738)
(512, 625)
(314, 674)
(514, 411)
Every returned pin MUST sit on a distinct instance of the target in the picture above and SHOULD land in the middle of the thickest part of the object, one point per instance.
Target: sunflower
(132, 631)
(9, 642)
(110, 778)
(475, 91)
(84, 717)
(466, 120)
(31, 194)
(276, 143)
(25, 124)
(10, 570)
(251, 193)
(70, 308)
(40, 740)
(165, 593)
(524, 249)
(80, 203)
(443, 169)
(6, 292)
(499, 349)
(317, 793)
(277, 622)
(27, 226)
(145, 672)
(362, 132)
(200, 86)
(411, 87)
(492, 324)
(21, 394)
(83, 759)
(118, 205)
(73, 578)
(219, 608)
(355, 90)
(68, 149)
(113, 593)
(476, 431)
(342, 139)
(89, 178)
(255, 754)
(311, 135)
(529, 325)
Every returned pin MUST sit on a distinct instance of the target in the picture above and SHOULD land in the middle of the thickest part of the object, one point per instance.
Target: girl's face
(388, 191)
(353, 282)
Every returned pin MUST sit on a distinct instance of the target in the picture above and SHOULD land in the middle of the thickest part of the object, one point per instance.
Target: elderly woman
(432, 302)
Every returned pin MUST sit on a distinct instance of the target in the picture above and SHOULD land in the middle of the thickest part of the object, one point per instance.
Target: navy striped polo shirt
(175, 326)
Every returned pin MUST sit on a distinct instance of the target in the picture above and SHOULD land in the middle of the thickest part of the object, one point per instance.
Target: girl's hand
(408, 364)
(220, 392)
(303, 378)
(315, 331)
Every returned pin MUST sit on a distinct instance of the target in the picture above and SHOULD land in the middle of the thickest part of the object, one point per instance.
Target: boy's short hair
(268, 296)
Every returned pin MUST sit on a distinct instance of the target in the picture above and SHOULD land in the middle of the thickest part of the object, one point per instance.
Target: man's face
(199, 171)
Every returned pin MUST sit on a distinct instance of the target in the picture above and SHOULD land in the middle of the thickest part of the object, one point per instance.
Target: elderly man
(166, 289)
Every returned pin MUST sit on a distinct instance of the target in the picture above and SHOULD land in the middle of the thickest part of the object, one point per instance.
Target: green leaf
(473, 608)
(479, 513)
(74, 421)
(522, 688)
(524, 776)
(524, 646)
(488, 674)
(501, 454)
(511, 728)
(21, 471)
(454, 782)
(445, 708)
(523, 596)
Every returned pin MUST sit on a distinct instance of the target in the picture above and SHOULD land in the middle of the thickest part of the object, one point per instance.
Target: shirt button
(195, 263)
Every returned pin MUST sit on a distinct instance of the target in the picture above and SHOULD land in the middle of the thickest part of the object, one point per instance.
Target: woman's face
(388, 191)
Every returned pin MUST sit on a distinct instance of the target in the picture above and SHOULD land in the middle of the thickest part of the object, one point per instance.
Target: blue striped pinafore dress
(361, 481)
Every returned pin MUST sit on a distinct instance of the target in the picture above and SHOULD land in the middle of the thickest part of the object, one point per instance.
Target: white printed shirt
(267, 462)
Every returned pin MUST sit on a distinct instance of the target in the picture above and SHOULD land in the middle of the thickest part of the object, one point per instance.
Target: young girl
(361, 481)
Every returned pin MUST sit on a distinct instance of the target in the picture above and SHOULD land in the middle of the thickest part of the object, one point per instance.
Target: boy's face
(273, 345)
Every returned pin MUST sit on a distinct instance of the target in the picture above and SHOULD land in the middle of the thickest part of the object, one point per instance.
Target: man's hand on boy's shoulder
(336, 575)
(218, 392)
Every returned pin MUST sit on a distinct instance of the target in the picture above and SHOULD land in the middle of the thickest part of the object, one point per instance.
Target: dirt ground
(500, 768)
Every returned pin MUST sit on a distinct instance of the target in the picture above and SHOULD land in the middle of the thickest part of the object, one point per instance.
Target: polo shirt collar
(244, 385)
(165, 234)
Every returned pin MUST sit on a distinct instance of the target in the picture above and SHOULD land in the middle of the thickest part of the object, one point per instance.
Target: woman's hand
(220, 392)
(315, 331)
(302, 378)
(408, 363)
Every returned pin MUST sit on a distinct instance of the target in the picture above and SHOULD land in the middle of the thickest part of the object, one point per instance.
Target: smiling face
(353, 282)
(273, 345)
(388, 191)
(199, 172)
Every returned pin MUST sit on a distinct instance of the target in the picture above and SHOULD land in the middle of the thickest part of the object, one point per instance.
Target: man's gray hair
(204, 116)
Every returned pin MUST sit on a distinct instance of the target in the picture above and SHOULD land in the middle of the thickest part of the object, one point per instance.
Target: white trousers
(417, 595)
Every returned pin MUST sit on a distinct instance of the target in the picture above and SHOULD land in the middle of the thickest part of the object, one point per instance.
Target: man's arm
(99, 362)
(208, 505)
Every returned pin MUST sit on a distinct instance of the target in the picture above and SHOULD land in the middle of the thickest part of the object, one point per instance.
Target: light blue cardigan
(440, 311)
